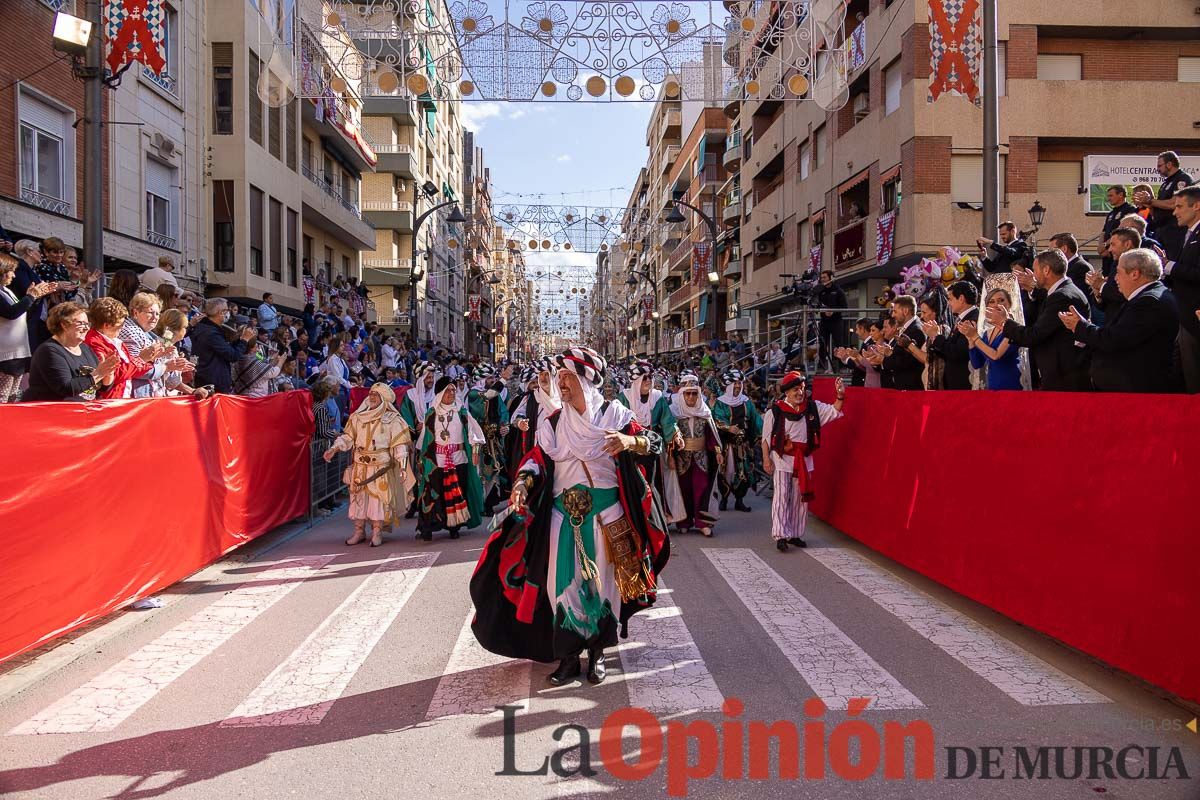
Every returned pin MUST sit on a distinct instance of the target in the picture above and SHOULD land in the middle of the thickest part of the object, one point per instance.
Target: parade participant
(584, 543)
(740, 426)
(700, 460)
(652, 409)
(539, 399)
(378, 476)
(487, 406)
(418, 399)
(791, 434)
(450, 495)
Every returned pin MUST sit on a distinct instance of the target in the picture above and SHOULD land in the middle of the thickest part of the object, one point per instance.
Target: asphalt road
(309, 669)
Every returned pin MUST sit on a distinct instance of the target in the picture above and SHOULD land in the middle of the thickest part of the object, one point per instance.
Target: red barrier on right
(1074, 514)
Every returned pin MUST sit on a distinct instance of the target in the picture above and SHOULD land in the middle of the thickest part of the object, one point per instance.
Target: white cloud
(564, 158)
(520, 112)
(474, 115)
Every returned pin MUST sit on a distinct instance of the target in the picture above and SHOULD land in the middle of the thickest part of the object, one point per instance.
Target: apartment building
(419, 140)
(1076, 80)
(288, 156)
(513, 313)
(482, 277)
(153, 147)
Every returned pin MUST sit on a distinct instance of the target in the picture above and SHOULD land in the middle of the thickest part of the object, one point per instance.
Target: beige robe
(376, 444)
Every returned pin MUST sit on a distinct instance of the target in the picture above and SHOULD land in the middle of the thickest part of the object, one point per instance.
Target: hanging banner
(701, 255)
(647, 308)
(955, 49)
(473, 303)
(310, 288)
(885, 237)
(135, 30)
(814, 258)
(856, 47)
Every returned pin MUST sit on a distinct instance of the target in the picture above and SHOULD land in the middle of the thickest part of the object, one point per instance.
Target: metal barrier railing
(326, 482)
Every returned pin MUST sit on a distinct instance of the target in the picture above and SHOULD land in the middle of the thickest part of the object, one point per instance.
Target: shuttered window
(1189, 69)
(256, 111)
(805, 159)
(293, 111)
(966, 178)
(293, 222)
(1059, 176)
(892, 83)
(275, 133)
(159, 193)
(276, 222)
(256, 231)
(1056, 67)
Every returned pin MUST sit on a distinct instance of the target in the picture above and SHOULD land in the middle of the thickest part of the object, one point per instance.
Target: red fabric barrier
(103, 503)
(1074, 514)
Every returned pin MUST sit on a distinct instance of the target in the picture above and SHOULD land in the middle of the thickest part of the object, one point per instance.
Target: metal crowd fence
(326, 483)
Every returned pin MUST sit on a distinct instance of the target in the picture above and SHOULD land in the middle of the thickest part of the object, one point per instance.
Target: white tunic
(796, 432)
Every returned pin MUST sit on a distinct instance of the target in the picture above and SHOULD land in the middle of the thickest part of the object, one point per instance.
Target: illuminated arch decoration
(582, 229)
(582, 50)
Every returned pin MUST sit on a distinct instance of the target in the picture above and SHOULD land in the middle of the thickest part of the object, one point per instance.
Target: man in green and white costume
(651, 408)
(741, 427)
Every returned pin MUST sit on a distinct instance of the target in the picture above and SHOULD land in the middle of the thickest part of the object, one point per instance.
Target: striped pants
(789, 514)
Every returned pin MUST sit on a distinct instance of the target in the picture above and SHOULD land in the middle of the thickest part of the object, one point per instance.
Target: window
(293, 222)
(256, 110)
(1002, 67)
(275, 131)
(47, 163)
(891, 91)
(293, 111)
(306, 154)
(60, 5)
(222, 88)
(1055, 67)
(169, 80)
(802, 243)
(275, 220)
(330, 172)
(328, 266)
(805, 159)
(1189, 69)
(890, 199)
(818, 146)
(160, 222)
(256, 231)
(346, 266)
(223, 226)
(966, 178)
(1059, 176)
(307, 240)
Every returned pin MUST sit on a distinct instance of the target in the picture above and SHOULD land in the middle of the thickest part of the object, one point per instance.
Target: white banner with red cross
(473, 303)
(955, 48)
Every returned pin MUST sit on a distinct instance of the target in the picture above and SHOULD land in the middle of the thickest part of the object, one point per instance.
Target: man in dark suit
(1104, 290)
(1133, 351)
(1121, 208)
(1062, 362)
(1000, 255)
(904, 369)
(1077, 266)
(954, 349)
(1185, 283)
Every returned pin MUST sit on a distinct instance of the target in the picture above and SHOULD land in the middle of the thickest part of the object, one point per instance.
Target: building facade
(812, 185)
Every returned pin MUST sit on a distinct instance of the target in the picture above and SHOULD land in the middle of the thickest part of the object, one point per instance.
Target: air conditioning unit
(764, 249)
(861, 106)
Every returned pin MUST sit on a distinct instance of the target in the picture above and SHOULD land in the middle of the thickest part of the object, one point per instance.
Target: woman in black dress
(14, 332)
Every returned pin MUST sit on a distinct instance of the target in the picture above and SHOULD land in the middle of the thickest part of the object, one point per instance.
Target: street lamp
(1037, 215)
(455, 216)
(71, 34)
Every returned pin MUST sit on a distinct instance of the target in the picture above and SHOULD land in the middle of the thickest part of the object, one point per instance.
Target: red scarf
(799, 451)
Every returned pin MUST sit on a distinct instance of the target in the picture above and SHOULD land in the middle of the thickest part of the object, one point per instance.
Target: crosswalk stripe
(107, 700)
(302, 689)
(834, 666)
(662, 666)
(1021, 675)
(476, 681)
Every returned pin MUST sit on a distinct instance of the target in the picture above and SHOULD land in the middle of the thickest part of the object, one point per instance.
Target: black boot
(725, 503)
(740, 505)
(781, 545)
(454, 533)
(568, 670)
(427, 536)
(797, 541)
(596, 672)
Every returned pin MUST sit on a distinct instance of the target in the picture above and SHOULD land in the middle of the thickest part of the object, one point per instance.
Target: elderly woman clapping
(136, 336)
(107, 316)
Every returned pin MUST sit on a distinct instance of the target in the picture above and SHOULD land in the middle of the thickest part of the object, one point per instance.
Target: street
(306, 668)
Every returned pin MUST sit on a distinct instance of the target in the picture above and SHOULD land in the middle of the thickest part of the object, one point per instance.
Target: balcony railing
(388, 263)
(46, 202)
(161, 240)
(849, 244)
(391, 148)
(387, 205)
(329, 191)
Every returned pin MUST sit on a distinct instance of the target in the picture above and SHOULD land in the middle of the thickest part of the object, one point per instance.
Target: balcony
(670, 155)
(335, 123)
(397, 105)
(733, 268)
(397, 159)
(849, 244)
(733, 151)
(396, 215)
(326, 208)
(161, 240)
(732, 212)
(767, 212)
(672, 123)
(733, 101)
(387, 271)
(683, 296)
(767, 147)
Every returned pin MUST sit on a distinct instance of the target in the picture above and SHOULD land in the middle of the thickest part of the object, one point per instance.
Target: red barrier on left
(104, 503)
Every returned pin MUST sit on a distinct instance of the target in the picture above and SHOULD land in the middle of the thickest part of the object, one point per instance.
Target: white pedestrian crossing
(1019, 674)
(476, 681)
(110, 698)
(834, 667)
(302, 689)
(662, 665)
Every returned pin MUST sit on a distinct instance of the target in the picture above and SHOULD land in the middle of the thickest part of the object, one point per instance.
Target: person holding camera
(217, 347)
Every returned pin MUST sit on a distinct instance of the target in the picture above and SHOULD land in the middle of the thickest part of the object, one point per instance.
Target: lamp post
(1037, 215)
(455, 216)
(675, 216)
